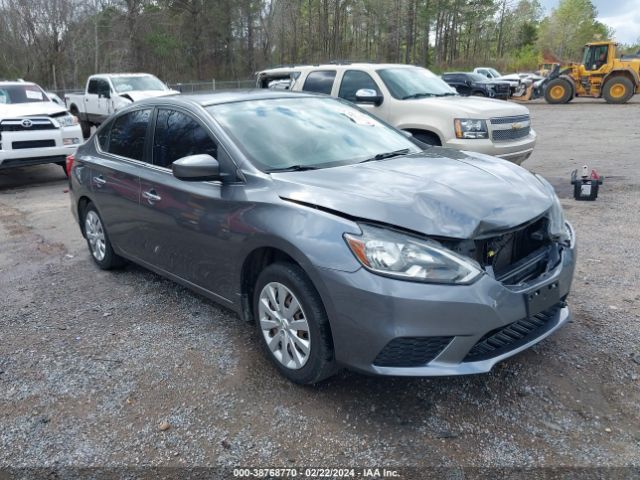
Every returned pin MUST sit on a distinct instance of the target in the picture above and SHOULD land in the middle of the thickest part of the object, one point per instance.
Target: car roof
(10, 83)
(123, 75)
(334, 66)
(227, 96)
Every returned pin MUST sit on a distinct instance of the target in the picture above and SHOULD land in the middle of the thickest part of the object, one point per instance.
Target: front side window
(354, 80)
(128, 134)
(414, 82)
(320, 81)
(309, 132)
(179, 135)
(125, 83)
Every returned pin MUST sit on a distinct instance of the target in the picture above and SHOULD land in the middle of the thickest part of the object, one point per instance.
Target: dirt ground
(92, 362)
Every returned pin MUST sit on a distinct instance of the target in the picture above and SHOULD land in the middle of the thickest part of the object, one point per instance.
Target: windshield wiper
(417, 95)
(446, 94)
(293, 168)
(385, 155)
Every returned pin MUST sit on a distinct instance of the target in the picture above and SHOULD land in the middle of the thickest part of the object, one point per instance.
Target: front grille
(33, 144)
(511, 134)
(506, 120)
(514, 335)
(16, 125)
(411, 351)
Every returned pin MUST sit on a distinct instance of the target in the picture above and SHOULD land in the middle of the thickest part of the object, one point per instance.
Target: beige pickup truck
(417, 101)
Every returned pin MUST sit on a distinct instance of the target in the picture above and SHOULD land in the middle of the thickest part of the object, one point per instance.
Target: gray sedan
(346, 242)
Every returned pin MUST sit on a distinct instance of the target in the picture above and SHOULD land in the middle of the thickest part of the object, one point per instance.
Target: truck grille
(411, 351)
(512, 134)
(508, 120)
(512, 336)
(27, 124)
(33, 144)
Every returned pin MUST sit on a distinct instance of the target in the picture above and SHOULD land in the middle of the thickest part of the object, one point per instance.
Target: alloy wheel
(95, 235)
(284, 325)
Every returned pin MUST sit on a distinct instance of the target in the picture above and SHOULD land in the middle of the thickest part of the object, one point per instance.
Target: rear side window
(179, 135)
(320, 81)
(128, 134)
(354, 80)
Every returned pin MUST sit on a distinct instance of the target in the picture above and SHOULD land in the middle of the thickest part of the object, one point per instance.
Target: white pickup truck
(108, 93)
(33, 129)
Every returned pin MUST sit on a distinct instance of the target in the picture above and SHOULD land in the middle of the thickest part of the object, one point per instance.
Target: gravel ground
(128, 369)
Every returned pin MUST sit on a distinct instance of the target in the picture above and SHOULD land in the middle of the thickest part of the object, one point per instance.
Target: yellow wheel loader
(601, 74)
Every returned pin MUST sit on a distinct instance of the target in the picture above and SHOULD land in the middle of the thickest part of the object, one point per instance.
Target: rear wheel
(98, 240)
(558, 90)
(618, 90)
(86, 129)
(292, 324)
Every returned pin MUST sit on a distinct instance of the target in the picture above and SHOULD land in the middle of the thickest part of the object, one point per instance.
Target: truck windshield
(27, 93)
(124, 84)
(308, 133)
(407, 83)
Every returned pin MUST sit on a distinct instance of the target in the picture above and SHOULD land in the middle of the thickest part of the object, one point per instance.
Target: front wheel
(559, 90)
(98, 240)
(292, 324)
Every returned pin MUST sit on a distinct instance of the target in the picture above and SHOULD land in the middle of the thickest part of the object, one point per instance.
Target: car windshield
(407, 83)
(307, 132)
(26, 93)
(124, 84)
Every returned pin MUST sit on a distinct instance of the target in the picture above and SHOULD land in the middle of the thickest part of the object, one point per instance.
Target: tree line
(58, 43)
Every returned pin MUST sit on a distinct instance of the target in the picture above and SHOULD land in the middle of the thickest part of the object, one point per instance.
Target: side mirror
(368, 95)
(196, 168)
(105, 94)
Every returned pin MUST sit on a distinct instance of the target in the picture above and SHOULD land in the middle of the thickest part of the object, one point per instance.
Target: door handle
(151, 196)
(99, 181)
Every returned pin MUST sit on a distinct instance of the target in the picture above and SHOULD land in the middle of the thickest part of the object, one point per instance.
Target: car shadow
(21, 177)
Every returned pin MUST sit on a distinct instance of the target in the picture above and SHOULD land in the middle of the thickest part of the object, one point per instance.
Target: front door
(354, 80)
(185, 229)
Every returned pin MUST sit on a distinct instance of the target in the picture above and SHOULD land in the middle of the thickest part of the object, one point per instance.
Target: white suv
(33, 129)
(417, 101)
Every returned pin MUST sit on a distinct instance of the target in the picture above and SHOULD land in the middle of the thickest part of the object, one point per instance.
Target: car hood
(471, 107)
(136, 95)
(31, 109)
(438, 192)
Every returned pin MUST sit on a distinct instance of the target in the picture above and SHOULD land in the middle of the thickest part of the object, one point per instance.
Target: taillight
(69, 164)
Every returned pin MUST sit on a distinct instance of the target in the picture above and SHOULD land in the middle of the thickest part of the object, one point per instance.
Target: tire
(304, 355)
(479, 94)
(64, 168)
(618, 89)
(86, 129)
(98, 240)
(558, 90)
(427, 138)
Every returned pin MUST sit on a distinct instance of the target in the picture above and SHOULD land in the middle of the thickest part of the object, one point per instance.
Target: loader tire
(618, 90)
(558, 91)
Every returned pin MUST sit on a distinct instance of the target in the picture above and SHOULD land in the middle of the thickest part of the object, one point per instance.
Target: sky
(621, 15)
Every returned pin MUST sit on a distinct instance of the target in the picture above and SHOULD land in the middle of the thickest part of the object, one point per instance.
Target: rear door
(114, 177)
(186, 224)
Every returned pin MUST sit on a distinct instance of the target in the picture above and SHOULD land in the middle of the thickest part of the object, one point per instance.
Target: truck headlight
(470, 128)
(394, 254)
(68, 120)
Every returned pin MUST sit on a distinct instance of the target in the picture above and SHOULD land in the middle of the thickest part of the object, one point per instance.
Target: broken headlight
(468, 128)
(558, 229)
(395, 254)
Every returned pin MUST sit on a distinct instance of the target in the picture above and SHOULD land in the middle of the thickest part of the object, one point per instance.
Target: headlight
(470, 128)
(398, 255)
(68, 121)
(558, 230)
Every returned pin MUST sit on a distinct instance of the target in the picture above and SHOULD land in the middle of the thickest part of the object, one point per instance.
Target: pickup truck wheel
(292, 324)
(98, 240)
(86, 129)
